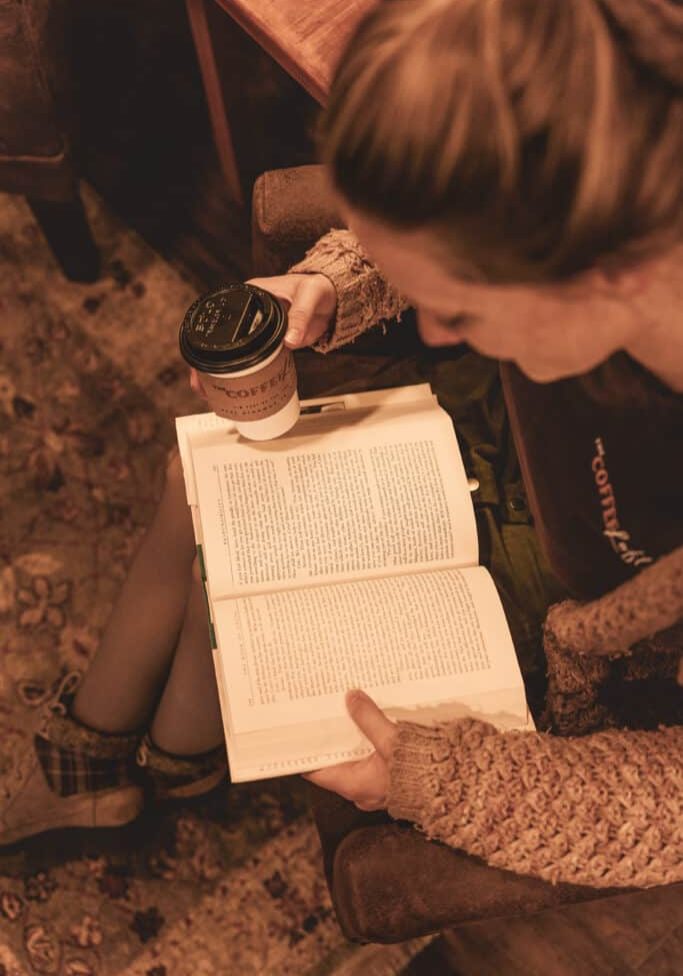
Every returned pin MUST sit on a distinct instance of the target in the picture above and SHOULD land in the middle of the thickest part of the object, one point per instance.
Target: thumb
(298, 320)
(302, 330)
(372, 721)
(196, 384)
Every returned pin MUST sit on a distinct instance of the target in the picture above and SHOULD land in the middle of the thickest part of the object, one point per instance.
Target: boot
(176, 777)
(69, 775)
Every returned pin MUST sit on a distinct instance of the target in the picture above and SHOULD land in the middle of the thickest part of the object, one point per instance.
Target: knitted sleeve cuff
(603, 810)
(364, 298)
(419, 762)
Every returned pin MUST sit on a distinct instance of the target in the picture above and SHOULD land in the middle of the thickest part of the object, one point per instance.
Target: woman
(512, 166)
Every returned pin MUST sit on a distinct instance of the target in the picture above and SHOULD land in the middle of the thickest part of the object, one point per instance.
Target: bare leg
(188, 719)
(123, 684)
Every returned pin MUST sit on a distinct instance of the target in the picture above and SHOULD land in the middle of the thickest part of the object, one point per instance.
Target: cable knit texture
(604, 810)
(651, 601)
(598, 651)
(363, 296)
(599, 803)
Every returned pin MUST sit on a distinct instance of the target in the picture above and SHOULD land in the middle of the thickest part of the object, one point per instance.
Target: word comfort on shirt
(602, 460)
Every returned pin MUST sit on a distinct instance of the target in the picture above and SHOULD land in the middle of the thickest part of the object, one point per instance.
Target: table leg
(196, 11)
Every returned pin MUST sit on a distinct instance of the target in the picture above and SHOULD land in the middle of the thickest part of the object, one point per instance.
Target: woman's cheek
(432, 333)
(492, 340)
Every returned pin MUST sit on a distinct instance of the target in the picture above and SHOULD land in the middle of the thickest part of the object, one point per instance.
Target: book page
(325, 742)
(195, 429)
(206, 429)
(428, 637)
(344, 496)
(289, 749)
(303, 748)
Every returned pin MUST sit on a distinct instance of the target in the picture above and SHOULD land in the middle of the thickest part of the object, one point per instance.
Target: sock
(169, 770)
(78, 759)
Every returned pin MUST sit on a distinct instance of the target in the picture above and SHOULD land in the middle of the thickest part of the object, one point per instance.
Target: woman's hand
(312, 303)
(365, 782)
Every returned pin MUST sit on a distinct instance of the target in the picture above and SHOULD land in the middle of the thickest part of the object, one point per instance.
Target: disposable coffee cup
(234, 337)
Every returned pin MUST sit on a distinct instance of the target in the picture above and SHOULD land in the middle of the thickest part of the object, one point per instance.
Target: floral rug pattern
(90, 380)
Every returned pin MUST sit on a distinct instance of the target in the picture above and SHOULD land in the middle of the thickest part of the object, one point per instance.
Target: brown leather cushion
(291, 209)
(389, 883)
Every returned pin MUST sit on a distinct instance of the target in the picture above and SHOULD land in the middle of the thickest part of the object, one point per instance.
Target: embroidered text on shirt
(619, 538)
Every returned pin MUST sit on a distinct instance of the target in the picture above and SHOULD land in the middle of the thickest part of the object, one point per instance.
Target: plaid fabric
(69, 772)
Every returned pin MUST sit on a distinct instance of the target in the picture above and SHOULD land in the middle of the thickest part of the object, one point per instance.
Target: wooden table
(305, 37)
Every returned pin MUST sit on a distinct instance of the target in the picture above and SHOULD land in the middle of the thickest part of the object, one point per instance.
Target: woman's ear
(624, 281)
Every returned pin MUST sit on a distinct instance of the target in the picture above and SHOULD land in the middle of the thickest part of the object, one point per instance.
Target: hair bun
(654, 33)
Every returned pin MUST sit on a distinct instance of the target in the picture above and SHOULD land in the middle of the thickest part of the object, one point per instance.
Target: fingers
(311, 303)
(363, 782)
(342, 778)
(311, 300)
(372, 721)
(298, 324)
(312, 310)
(366, 781)
(196, 384)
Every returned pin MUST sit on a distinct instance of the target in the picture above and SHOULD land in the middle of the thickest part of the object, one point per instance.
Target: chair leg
(197, 15)
(66, 230)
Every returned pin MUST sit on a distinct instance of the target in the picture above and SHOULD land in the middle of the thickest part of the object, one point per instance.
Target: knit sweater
(597, 804)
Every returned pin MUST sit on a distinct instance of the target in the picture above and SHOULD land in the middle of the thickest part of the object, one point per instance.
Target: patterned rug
(89, 384)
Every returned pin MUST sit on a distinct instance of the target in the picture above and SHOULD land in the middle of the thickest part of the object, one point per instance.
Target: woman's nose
(432, 332)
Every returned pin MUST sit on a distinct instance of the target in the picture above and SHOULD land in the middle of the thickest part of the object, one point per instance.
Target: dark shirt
(602, 461)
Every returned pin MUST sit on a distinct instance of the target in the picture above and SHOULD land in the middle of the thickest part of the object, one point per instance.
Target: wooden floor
(145, 137)
(146, 146)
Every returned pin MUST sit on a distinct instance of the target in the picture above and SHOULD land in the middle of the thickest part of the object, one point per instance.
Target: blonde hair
(518, 131)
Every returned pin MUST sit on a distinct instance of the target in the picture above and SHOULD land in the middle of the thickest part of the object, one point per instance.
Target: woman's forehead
(407, 258)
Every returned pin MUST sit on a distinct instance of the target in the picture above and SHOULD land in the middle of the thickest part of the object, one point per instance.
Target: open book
(341, 555)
